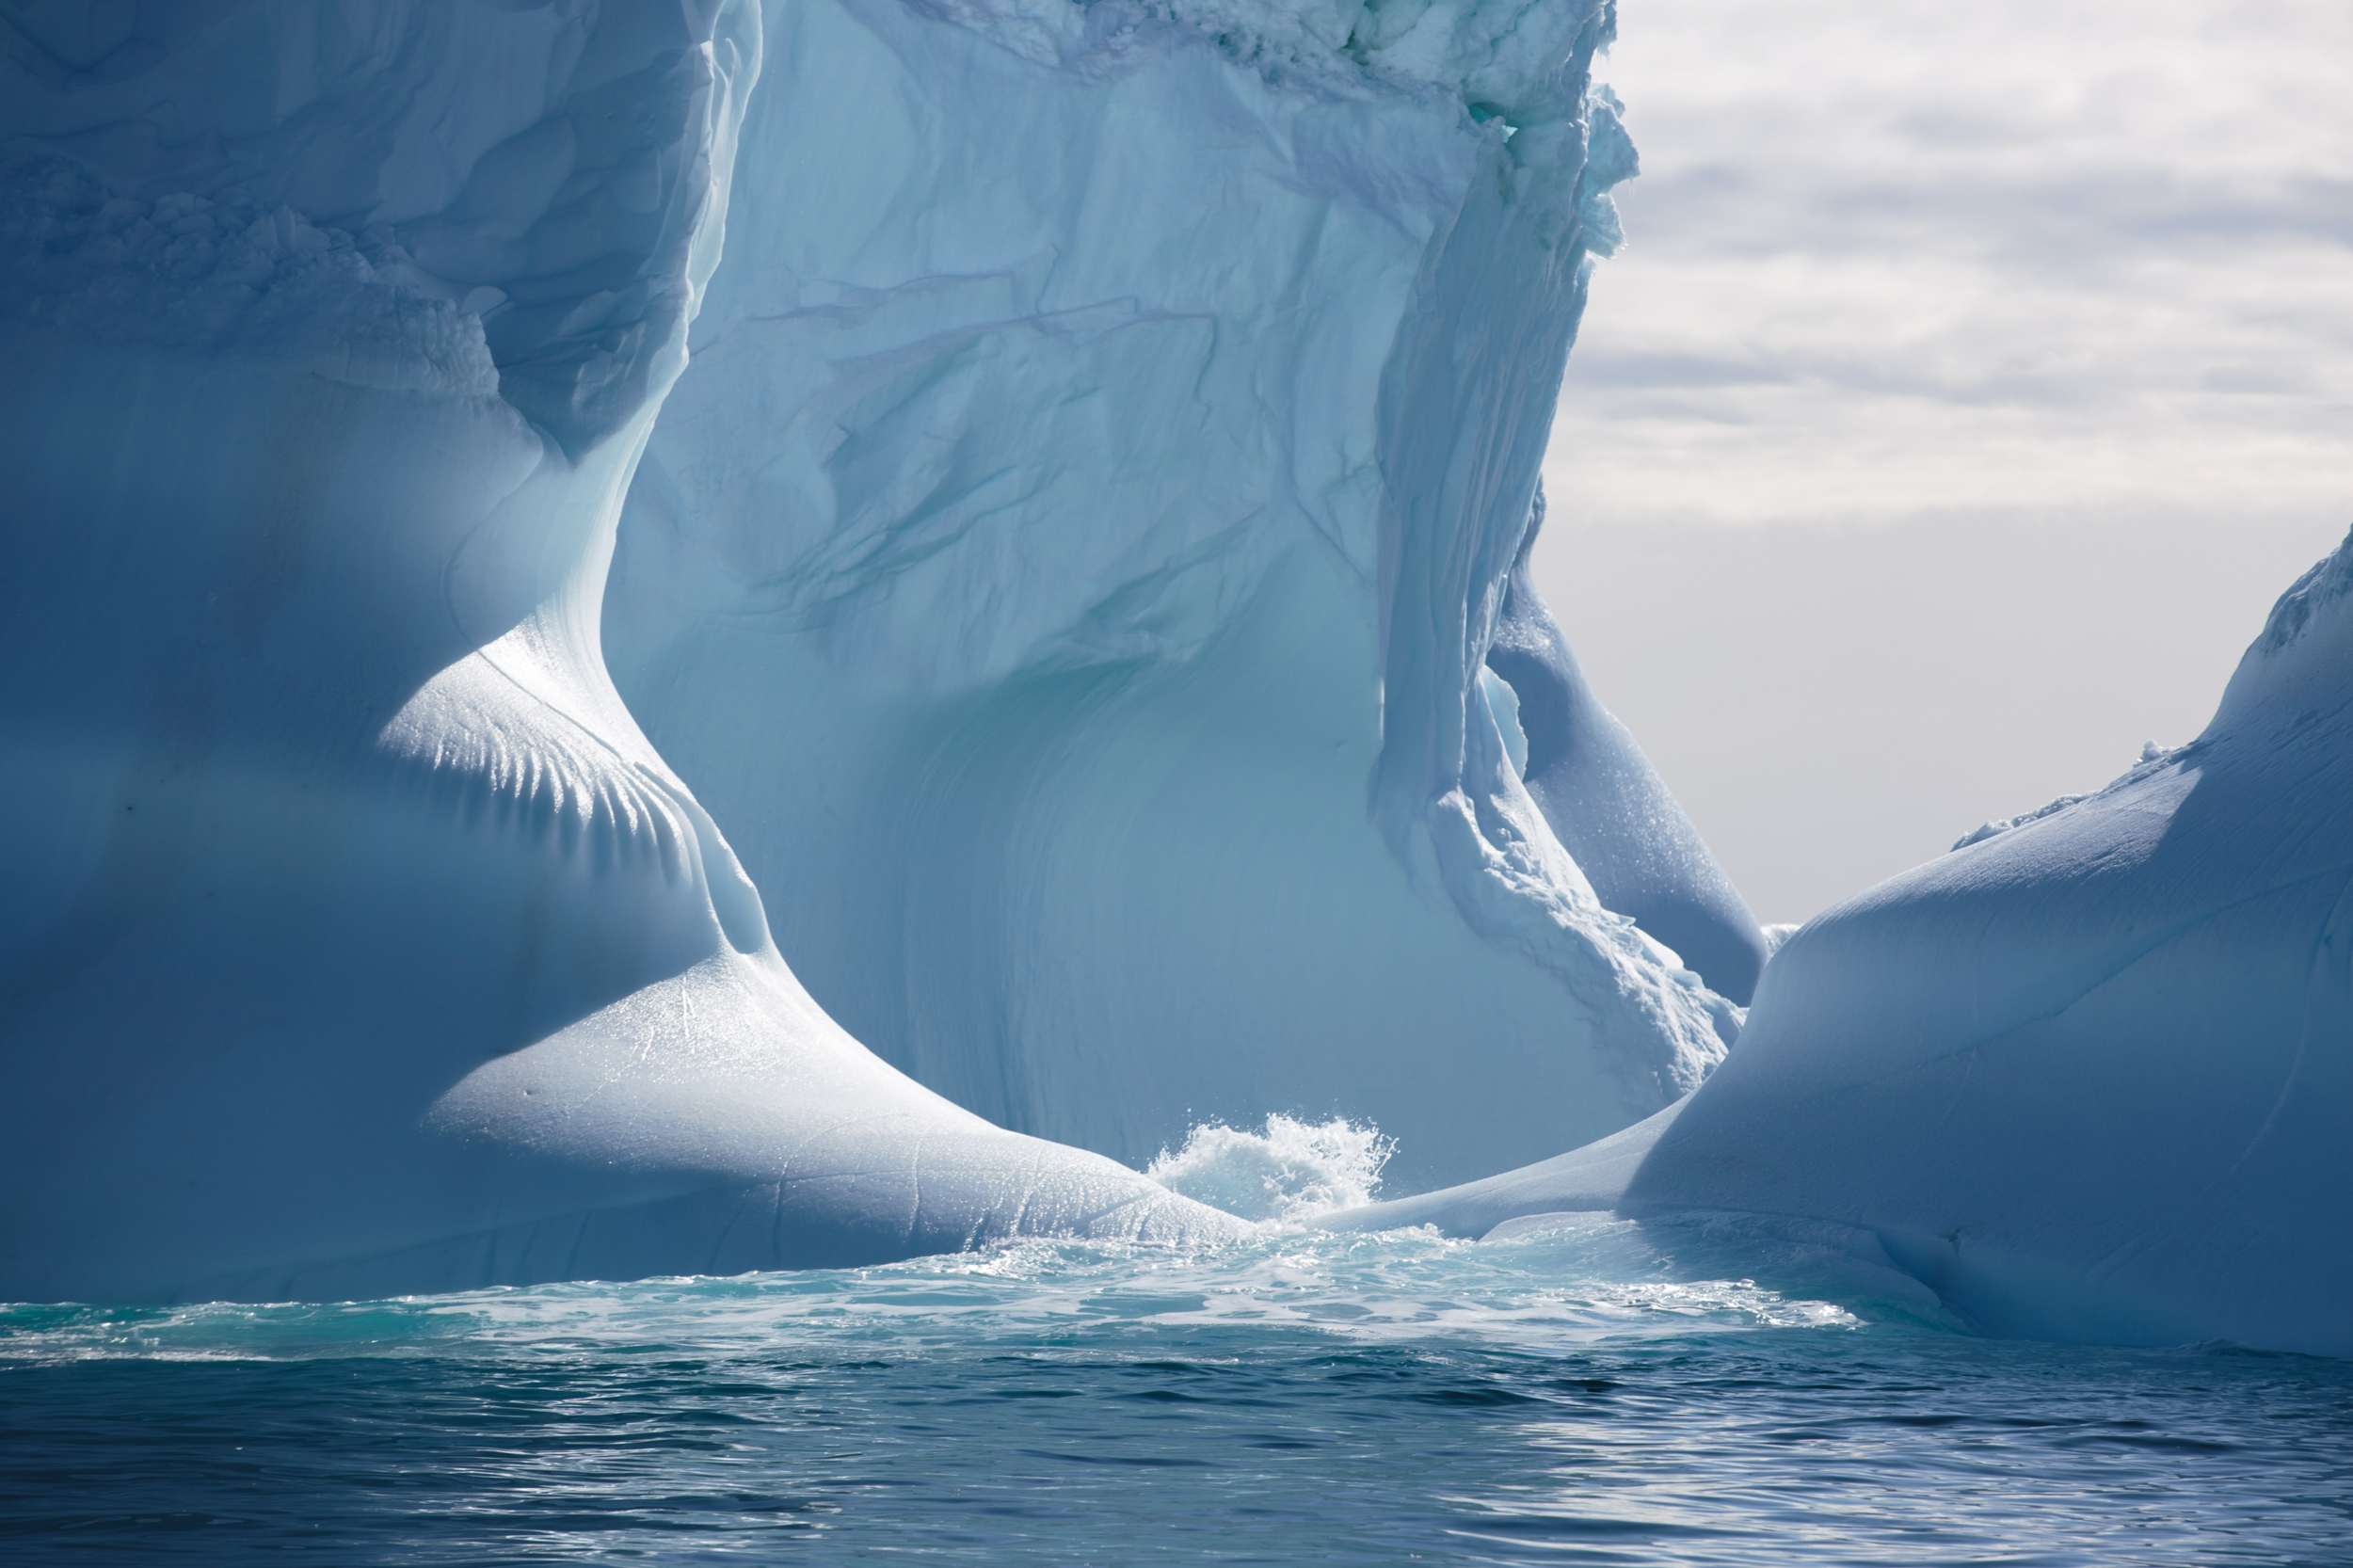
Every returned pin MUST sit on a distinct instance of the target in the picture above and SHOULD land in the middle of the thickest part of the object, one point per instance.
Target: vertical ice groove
(1605, 804)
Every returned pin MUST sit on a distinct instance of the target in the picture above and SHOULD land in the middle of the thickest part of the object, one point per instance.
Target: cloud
(1891, 258)
(1833, 705)
(1973, 378)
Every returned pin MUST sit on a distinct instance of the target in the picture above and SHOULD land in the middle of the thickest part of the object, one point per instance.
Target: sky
(1972, 381)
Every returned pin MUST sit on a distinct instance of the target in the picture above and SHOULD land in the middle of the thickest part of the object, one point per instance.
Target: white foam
(1596, 1279)
(1288, 1173)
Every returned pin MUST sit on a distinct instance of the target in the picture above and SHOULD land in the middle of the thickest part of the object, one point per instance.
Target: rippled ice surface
(1604, 1393)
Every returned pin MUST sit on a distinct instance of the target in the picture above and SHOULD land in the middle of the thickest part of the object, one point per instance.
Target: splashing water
(1286, 1175)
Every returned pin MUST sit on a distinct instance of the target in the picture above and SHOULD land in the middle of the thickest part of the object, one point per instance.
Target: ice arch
(1069, 561)
(2089, 1077)
(355, 940)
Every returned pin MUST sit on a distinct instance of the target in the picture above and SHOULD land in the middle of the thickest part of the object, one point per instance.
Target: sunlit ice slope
(354, 938)
(1068, 562)
(2089, 1077)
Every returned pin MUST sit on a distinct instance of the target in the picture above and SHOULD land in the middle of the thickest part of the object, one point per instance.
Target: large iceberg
(2089, 1077)
(1056, 483)
(1070, 562)
(1070, 567)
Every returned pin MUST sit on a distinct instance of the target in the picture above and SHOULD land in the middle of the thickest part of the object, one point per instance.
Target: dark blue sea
(1605, 1393)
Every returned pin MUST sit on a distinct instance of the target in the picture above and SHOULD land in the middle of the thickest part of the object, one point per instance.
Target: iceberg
(1057, 482)
(1074, 565)
(1046, 475)
(2089, 1076)
(356, 941)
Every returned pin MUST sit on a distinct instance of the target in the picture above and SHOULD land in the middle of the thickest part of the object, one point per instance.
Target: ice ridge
(1607, 805)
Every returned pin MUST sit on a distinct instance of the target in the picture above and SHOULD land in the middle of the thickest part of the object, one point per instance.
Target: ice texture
(355, 940)
(1608, 806)
(1068, 564)
(2089, 1077)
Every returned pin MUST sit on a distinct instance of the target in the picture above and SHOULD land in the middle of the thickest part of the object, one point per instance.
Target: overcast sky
(1974, 378)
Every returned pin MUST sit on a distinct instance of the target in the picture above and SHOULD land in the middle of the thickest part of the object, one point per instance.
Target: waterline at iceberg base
(698, 701)
(1602, 1392)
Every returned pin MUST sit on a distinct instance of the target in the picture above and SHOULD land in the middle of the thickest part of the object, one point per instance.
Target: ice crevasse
(1066, 571)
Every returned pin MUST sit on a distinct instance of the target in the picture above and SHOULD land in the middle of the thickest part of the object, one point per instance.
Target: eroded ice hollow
(2090, 1076)
(355, 939)
(1068, 564)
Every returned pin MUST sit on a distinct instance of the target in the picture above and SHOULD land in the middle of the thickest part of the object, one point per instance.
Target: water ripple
(1604, 1393)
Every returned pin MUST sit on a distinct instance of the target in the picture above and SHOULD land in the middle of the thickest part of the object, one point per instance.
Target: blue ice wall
(1066, 566)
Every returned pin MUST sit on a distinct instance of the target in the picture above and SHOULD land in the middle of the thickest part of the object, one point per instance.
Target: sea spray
(1288, 1173)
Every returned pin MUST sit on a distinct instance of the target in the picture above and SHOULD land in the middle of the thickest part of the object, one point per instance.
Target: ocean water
(1600, 1392)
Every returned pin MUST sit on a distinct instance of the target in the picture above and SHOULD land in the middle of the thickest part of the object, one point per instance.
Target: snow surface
(1067, 565)
(2089, 1077)
(356, 941)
